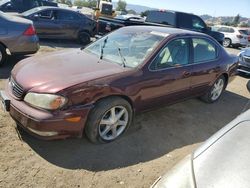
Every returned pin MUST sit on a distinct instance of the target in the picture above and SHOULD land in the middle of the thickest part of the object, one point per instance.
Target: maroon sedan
(98, 89)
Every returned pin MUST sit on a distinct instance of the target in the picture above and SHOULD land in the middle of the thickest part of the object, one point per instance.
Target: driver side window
(174, 54)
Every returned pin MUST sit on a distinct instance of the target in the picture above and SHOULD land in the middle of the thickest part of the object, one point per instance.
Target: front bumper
(25, 45)
(244, 67)
(45, 124)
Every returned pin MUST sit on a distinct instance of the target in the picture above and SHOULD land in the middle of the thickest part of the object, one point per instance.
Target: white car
(234, 36)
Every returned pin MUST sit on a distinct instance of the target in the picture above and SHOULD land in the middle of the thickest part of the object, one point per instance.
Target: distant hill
(222, 19)
(136, 8)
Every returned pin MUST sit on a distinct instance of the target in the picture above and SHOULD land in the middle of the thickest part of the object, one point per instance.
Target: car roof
(225, 26)
(163, 30)
(56, 8)
(173, 11)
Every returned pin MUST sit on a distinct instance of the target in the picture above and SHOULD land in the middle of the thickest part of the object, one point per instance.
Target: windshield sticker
(159, 33)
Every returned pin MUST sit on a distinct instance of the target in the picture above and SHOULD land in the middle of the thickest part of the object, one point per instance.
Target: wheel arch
(128, 99)
(1, 43)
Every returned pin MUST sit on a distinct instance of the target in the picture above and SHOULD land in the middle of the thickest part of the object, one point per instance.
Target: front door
(45, 24)
(169, 76)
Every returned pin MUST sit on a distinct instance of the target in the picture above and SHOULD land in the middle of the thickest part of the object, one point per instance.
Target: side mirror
(248, 85)
(209, 28)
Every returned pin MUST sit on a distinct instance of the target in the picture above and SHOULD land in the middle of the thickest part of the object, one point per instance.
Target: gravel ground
(157, 140)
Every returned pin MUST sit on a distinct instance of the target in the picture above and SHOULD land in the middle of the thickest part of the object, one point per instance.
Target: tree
(67, 2)
(121, 5)
(145, 13)
(236, 20)
(85, 3)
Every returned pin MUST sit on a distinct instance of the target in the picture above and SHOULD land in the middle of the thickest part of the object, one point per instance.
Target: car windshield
(126, 48)
(31, 11)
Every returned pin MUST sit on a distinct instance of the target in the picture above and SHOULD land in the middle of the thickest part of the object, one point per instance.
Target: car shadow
(9, 64)
(152, 135)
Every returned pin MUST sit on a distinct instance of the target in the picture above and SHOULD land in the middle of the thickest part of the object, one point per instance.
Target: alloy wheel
(113, 123)
(217, 89)
(226, 43)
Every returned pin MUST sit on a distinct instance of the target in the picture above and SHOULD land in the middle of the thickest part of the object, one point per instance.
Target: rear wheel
(227, 42)
(216, 90)
(108, 120)
(84, 38)
(3, 55)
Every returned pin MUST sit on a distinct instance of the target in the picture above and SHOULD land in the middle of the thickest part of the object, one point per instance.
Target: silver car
(244, 61)
(17, 36)
(222, 161)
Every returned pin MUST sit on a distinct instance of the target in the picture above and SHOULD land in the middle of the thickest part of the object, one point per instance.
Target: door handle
(186, 73)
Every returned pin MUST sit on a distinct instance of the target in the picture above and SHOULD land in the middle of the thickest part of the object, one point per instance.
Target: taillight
(30, 31)
(239, 36)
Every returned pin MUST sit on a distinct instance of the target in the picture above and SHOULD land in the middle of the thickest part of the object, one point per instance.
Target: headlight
(45, 101)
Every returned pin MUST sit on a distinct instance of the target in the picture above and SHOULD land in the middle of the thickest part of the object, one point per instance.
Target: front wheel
(216, 90)
(108, 120)
(227, 42)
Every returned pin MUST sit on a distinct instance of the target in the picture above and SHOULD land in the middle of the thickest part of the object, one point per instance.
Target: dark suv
(184, 21)
(161, 18)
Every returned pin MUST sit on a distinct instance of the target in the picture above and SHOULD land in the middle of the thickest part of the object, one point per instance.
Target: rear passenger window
(204, 50)
(174, 54)
(46, 14)
(66, 15)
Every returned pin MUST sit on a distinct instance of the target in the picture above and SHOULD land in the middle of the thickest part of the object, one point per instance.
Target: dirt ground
(156, 141)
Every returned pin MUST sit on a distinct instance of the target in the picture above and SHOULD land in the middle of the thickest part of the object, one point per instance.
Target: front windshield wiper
(102, 49)
(124, 62)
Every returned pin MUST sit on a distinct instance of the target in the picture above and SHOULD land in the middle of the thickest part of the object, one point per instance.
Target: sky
(199, 7)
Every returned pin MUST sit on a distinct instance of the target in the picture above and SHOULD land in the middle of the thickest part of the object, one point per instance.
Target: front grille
(246, 59)
(17, 90)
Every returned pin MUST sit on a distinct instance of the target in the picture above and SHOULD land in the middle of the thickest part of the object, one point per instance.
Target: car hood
(60, 70)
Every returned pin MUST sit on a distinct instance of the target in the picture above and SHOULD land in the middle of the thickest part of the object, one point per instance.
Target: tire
(116, 115)
(227, 42)
(3, 55)
(84, 38)
(211, 96)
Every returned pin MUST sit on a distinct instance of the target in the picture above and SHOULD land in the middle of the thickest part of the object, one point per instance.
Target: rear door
(205, 64)
(69, 22)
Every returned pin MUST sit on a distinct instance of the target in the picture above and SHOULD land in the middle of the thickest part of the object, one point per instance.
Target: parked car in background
(61, 23)
(163, 18)
(246, 31)
(106, 25)
(23, 5)
(17, 36)
(222, 161)
(244, 62)
(98, 89)
(234, 36)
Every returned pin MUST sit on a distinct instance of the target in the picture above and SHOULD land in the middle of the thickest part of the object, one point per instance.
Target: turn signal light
(73, 119)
